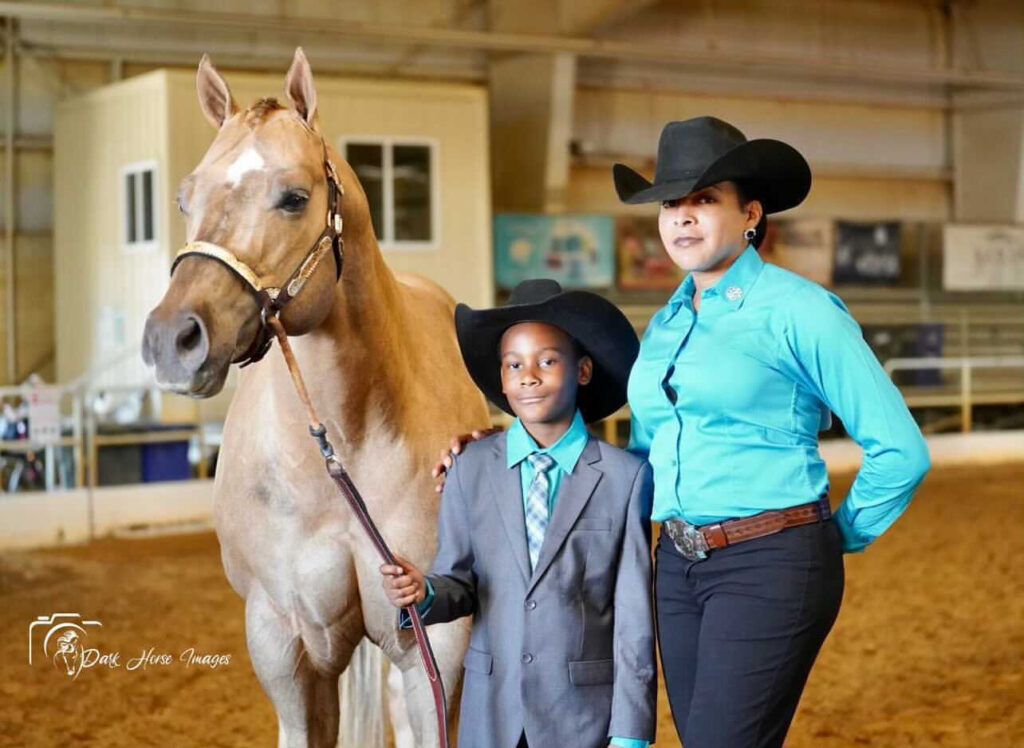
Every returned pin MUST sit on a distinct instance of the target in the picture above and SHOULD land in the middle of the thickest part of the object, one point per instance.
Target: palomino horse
(380, 359)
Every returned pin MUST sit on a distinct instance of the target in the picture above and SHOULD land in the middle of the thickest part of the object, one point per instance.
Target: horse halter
(271, 300)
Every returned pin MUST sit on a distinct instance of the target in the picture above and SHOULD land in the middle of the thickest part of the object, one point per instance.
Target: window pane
(129, 193)
(367, 160)
(147, 205)
(412, 193)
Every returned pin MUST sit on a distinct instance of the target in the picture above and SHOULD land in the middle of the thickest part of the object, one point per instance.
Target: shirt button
(531, 604)
(526, 659)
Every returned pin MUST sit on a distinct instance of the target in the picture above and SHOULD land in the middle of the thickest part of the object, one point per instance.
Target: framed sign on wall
(867, 253)
(575, 250)
(983, 258)
(642, 260)
(802, 245)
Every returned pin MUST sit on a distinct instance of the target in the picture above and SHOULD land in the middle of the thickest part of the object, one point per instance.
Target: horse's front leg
(449, 642)
(305, 697)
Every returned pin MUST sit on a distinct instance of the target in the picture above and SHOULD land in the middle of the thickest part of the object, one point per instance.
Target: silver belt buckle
(687, 539)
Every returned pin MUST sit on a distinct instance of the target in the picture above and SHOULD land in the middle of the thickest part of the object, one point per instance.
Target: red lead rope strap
(348, 489)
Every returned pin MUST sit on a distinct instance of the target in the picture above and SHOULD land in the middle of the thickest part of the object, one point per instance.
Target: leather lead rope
(348, 489)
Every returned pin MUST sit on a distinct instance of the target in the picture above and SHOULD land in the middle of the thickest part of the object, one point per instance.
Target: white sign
(989, 258)
(44, 415)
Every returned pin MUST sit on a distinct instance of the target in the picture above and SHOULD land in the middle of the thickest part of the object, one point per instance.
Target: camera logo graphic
(62, 638)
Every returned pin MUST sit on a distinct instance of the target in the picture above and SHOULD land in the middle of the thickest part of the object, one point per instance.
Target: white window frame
(138, 168)
(387, 143)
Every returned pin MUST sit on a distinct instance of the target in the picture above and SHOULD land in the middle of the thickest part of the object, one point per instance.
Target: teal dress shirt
(566, 453)
(727, 403)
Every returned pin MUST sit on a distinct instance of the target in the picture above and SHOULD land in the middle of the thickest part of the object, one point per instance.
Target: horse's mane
(262, 109)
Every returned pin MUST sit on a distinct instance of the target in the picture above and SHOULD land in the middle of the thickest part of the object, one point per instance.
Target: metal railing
(86, 437)
(967, 396)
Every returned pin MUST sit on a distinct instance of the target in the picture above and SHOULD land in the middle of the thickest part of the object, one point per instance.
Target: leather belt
(694, 541)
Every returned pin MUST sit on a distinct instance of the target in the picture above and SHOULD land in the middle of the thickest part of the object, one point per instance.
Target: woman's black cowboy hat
(595, 323)
(702, 151)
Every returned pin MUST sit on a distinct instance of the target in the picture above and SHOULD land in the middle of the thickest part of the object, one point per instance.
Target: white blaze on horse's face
(249, 160)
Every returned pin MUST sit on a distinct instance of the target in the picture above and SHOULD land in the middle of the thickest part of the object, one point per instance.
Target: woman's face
(703, 229)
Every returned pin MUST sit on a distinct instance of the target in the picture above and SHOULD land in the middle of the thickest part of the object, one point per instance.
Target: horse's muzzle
(176, 346)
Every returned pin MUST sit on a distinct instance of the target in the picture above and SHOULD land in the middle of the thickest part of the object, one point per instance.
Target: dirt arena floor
(928, 649)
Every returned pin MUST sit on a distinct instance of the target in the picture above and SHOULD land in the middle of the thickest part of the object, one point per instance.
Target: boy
(544, 534)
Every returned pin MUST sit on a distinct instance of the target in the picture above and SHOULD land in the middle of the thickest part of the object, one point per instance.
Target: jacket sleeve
(635, 688)
(451, 575)
(824, 349)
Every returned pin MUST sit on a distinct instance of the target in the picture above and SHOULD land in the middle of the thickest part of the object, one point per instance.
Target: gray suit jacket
(565, 653)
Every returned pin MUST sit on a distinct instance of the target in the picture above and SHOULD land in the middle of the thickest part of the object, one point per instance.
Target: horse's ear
(298, 87)
(214, 95)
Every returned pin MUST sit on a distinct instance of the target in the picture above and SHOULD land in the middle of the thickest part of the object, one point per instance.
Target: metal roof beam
(739, 61)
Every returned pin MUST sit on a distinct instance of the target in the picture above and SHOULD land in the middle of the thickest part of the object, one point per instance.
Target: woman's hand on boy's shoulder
(447, 457)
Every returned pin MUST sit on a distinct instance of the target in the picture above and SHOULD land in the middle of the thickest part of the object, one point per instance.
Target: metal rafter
(738, 60)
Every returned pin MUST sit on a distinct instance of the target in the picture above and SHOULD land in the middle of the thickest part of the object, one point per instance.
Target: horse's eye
(182, 208)
(293, 201)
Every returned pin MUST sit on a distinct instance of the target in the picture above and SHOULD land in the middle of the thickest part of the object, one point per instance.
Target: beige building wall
(104, 292)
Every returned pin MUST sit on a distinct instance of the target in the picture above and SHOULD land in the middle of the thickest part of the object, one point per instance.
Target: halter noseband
(272, 299)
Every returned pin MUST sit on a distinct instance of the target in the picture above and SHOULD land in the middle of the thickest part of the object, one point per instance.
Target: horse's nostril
(190, 343)
(189, 336)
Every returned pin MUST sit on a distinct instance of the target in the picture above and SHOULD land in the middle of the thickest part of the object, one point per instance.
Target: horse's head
(259, 197)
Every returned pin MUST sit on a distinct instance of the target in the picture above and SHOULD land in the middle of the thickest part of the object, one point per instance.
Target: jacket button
(531, 604)
(526, 658)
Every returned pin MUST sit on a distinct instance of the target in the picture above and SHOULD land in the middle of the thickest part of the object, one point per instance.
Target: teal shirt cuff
(852, 541)
(424, 606)
(404, 622)
(629, 743)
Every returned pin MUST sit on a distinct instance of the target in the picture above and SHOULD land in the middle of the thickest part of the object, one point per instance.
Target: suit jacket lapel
(573, 494)
(508, 495)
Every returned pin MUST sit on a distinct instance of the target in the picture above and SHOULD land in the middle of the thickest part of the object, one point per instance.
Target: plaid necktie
(537, 505)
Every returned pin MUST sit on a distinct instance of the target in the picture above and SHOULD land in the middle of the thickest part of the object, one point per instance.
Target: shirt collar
(733, 286)
(565, 452)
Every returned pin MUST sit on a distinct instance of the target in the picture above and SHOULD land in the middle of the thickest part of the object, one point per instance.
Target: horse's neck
(357, 358)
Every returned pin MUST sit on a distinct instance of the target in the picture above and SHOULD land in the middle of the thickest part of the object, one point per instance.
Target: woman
(736, 376)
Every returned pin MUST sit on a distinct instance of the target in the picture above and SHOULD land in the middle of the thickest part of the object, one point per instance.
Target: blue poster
(575, 250)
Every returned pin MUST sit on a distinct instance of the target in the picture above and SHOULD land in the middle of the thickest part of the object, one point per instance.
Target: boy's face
(540, 372)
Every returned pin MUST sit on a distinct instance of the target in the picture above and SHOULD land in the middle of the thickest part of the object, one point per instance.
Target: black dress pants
(739, 630)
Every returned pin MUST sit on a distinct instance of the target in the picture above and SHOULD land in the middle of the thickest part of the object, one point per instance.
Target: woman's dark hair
(745, 192)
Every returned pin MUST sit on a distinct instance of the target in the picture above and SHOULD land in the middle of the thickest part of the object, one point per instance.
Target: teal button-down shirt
(566, 453)
(727, 403)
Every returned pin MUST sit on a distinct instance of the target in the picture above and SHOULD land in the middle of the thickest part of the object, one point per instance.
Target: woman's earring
(749, 234)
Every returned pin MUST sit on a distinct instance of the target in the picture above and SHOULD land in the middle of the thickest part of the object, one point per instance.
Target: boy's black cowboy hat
(702, 151)
(596, 324)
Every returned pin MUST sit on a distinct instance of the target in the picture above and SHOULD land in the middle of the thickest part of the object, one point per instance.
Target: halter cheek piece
(272, 299)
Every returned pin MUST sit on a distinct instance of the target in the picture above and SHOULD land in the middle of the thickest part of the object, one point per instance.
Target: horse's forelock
(258, 112)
